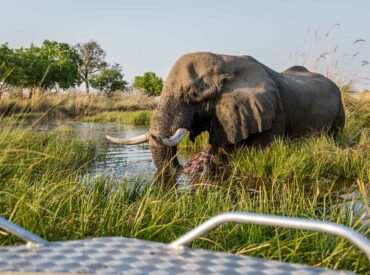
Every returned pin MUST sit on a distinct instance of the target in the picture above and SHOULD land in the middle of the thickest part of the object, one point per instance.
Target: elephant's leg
(262, 140)
(221, 153)
(221, 150)
(267, 137)
(339, 121)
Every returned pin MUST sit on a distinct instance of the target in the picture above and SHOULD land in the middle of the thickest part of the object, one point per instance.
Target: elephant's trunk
(167, 128)
(164, 149)
(163, 156)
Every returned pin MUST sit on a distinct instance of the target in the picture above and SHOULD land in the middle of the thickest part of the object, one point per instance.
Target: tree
(149, 84)
(7, 67)
(92, 56)
(53, 65)
(109, 80)
(63, 64)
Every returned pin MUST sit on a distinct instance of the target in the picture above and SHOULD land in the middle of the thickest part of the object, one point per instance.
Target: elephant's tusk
(129, 141)
(175, 139)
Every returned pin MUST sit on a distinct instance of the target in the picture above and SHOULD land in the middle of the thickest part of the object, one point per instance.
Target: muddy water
(113, 160)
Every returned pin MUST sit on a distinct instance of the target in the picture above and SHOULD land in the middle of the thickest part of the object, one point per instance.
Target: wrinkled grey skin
(240, 101)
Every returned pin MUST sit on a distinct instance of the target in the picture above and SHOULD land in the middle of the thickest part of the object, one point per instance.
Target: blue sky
(151, 35)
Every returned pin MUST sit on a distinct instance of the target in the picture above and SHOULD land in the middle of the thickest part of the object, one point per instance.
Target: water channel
(113, 160)
(135, 161)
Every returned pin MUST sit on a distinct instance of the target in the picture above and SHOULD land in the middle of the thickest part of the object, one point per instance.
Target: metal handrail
(31, 239)
(296, 223)
(248, 218)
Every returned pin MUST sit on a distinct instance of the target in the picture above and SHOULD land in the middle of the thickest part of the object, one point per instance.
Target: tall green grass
(131, 118)
(200, 143)
(67, 209)
(306, 160)
(41, 189)
(30, 156)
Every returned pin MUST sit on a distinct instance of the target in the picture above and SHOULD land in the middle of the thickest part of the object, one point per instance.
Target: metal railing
(296, 223)
(248, 218)
(31, 239)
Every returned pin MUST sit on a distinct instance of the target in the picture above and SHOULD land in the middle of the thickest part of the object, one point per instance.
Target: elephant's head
(231, 97)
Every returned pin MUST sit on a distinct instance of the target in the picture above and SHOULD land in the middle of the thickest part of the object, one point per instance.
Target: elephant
(240, 102)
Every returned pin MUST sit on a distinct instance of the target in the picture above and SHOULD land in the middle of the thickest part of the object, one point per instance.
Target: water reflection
(113, 160)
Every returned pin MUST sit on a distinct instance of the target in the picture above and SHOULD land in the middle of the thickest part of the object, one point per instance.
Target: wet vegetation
(42, 188)
(131, 118)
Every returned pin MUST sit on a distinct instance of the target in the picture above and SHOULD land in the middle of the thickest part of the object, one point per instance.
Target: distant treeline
(55, 66)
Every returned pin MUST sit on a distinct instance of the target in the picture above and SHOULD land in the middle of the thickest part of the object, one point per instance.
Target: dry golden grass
(75, 104)
(341, 61)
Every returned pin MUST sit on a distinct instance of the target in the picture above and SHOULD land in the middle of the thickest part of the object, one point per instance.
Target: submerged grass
(41, 190)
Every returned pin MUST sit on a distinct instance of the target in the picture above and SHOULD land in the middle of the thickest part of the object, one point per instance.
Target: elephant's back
(295, 69)
(311, 101)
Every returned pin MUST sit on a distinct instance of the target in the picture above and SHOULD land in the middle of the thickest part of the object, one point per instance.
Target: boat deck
(119, 255)
(131, 256)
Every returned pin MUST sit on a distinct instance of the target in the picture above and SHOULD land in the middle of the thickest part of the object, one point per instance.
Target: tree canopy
(109, 80)
(93, 61)
(149, 84)
(53, 65)
(8, 64)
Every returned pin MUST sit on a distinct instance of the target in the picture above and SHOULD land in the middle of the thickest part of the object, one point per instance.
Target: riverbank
(41, 189)
(75, 104)
(131, 118)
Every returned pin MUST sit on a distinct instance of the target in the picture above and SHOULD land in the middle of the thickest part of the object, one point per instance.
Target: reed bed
(131, 118)
(75, 104)
(42, 189)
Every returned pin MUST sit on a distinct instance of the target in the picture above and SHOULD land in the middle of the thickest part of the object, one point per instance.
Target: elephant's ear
(248, 103)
